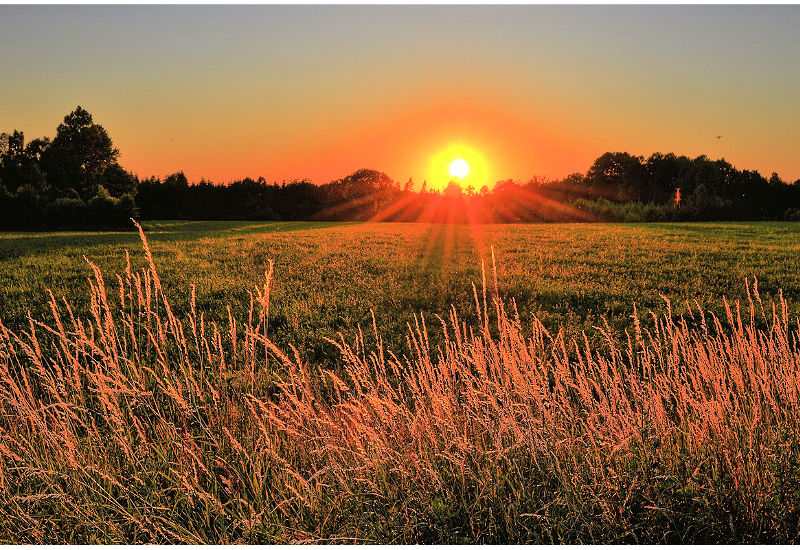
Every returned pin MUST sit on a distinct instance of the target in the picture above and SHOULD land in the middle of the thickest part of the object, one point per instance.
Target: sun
(459, 168)
(458, 163)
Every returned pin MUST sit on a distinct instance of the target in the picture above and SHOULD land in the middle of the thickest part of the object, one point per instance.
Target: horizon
(418, 183)
(317, 92)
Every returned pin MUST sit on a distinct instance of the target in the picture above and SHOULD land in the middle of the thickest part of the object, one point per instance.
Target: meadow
(285, 382)
(329, 277)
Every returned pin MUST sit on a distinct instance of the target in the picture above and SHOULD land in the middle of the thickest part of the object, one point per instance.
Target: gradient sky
(319, 91)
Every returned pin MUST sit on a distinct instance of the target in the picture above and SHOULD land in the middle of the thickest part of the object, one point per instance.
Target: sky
(316, 92)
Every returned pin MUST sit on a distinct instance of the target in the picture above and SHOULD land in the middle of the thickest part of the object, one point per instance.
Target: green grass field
(329, 276)
(147, 423)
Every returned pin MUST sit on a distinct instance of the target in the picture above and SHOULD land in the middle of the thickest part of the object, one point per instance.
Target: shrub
(606, 210)
(22, 209)
(66, 212)
(792, 215)
(126, 209)
(107, 211)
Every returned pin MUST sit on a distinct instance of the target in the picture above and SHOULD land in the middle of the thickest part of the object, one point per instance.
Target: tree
(20, 163)
(619, 175)
(79, 155)
(118, 182)
(776, 181)
(363, 182)
(576, 179)
(11, 147)
(178, 179)
(663, 176)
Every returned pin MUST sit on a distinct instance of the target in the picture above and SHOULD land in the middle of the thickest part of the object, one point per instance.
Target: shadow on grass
(17, 244)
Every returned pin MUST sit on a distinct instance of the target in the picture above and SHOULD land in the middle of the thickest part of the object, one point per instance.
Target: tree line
(76, 181)
(73, 180)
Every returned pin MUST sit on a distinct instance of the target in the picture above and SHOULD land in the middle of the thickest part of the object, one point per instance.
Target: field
(542, 408)
(329, 276)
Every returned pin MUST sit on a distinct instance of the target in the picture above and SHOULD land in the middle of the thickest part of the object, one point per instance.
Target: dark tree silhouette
(79, 155)
(20, 163)
(73, 181)
(118, 181)
(619, 176)
(76, 181)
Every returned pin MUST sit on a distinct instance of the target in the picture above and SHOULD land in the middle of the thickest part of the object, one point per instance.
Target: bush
(606, 210)
(126, 209)
(107, 211)
(792, 215)
(66, 212)
(21, 210)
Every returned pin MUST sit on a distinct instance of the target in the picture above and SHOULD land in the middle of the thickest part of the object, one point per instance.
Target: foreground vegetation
(148, 421)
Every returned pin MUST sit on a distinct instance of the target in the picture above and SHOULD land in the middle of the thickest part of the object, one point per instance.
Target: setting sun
(459, 168)
(460, 163)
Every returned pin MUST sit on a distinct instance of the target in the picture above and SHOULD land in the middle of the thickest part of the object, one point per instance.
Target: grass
(332, 275)
(193, 419)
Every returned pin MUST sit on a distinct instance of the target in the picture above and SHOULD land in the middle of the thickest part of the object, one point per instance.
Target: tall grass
(136, 424)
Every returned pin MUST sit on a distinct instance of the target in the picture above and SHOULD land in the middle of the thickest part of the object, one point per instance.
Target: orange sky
(290, 92)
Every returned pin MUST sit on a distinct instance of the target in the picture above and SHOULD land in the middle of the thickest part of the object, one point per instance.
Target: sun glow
(461, 164)
(459, 168)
